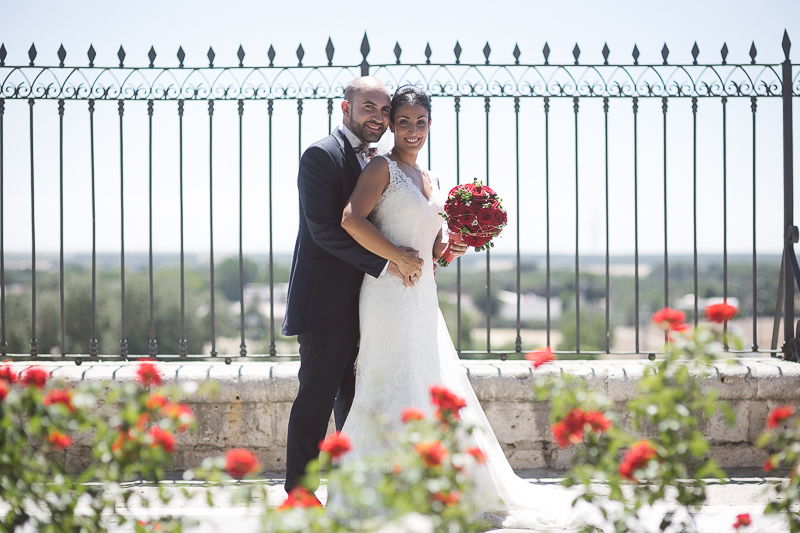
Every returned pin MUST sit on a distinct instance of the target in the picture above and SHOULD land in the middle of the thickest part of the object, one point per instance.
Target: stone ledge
(254, 400)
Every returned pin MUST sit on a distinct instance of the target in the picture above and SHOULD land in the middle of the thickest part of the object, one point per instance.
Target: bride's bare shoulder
(376, 172)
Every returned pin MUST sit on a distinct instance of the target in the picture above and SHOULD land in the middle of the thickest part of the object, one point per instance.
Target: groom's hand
(407, 266)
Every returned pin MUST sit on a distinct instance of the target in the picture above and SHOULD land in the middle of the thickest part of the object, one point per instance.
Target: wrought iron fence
(452, 81)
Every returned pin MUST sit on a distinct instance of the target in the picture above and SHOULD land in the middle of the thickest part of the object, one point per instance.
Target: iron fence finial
(271, 55)
(300, 54)
(211, 55)
(181, 56)
(32, 54)
(428, 53)
(240, 55)
(457, 52)
(665, 53)
(546, 53)
(364, 54)
(753, 53)
(329, 52)
(606, 51)
(576, 53)
(695, 53)
(152, 56)
(3, 54)
(486, 51)
(397, 52)
(92, 54)
(62, 55)
(516, 53)
(724, 53)
(121, 56)
(635, 55)
(786, 43)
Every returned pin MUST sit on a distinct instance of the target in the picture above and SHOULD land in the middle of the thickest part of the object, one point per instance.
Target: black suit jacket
(328, 264)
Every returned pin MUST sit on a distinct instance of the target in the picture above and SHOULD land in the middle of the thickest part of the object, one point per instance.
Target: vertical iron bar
(486, 106)
(3, 342)
(636, 219)
(577, 266)
(788, 193)
(753, 106)
(299, 129)
(152, 347)
(123, 343)
(182, 344)
(724, 215)
(457, 101)
(271, 272)
(666, 259)
(429, 149)
(34, 344)
(242, 346)
(330, 115)
(61, 225)
(518, 341)
(694, 206)
(608, 254)
(93, 341)
(547, 204)
(211, 220)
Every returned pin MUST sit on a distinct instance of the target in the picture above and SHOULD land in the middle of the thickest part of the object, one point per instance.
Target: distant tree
(593, 332)
(226, 276)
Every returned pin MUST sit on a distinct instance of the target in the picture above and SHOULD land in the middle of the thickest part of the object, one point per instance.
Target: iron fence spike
(457, 52)
(635, 55)
(606, 51)
(92, 54)
(786, 43)
(62, 55)
(211, 55)
(152, 55)
(695, 53)
(517, 53)
(121, 56)
(486, 51)
(329, 52)
(753, 53)
(181, 56)
(271, 55)
(3, 55)
(240, 55)
(724, 53)
(364, 47)
(300, 54)
(665, 53)
(546, 52)
(428, 53)
(397, 52)
(32, 53)
(576, 53)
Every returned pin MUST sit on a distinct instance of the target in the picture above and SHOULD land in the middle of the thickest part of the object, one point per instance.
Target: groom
(327, 270)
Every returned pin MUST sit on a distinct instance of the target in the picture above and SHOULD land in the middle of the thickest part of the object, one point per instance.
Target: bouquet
(474, 217)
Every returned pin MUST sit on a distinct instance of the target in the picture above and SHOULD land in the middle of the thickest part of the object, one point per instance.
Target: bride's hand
(409, 264)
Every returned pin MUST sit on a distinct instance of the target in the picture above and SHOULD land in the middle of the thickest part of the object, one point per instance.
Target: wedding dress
(405, 348)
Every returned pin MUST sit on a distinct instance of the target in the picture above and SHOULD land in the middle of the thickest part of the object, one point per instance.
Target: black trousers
(327, 382)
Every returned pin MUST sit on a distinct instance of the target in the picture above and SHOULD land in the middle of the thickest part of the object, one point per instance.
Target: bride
(405, 346)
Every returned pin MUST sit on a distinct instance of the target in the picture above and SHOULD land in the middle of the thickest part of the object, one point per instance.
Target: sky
(255, 26)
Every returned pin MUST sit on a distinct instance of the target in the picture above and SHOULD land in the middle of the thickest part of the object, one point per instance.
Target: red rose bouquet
(474, 217)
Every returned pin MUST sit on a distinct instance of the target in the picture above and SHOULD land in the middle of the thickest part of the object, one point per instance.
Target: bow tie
(368, 151)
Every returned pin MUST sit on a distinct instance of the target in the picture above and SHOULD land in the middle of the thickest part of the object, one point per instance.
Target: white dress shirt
(355, 142)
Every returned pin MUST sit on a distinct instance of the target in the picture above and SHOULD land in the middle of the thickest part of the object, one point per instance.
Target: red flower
(240, 461)
(767, 466)
(540, 357)
(412, 413)
(62, 396)
(142, 420)
(669, 319)
(300, 497)
(180, 413)
(147, 374)
(742, 520)
(59, 440)
(122, 438)
(156, 400)
(35, 376)
(477, 453)
(447, 498)
(570, 429)
(719, 313)
(597, 421)
(335, 444)
(162, 438)
(638, 456)
(432, 452)
(6, 373)
(778, 415)
(3, 389)
(446, 400)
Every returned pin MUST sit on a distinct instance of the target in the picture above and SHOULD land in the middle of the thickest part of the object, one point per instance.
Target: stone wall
(254, 400)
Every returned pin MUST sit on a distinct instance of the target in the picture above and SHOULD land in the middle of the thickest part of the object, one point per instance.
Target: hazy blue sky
(255, 25)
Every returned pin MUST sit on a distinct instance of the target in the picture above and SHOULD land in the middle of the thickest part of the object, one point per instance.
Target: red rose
(447, 498)
(35, 376)
(412, 413)
(669, 319)
(498, 216)
(59, 440)
(147, 374)
(742, 520)
(240, 462)
(163, 438)
(570, 429)
(720, 313)
(432, 452)
(62, 396)
(778, 415)
(485, 217)
(597, 421)
(8, 374)
(480, 191)
(335, 444)
(3, 389)
(540, 357)
(300, 497)
(638, 456)
(156, 400)
(477, 453)
(446, 400)
(475, 241)
(767, 466)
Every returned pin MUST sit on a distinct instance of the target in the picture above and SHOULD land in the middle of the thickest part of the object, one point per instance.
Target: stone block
(777, 380)
(514, 421)
(757, 419)
(284, 383)
(717, 430)
(742, 455)
(525, 459)
(733, 381)
(231, 425)
(623, 379)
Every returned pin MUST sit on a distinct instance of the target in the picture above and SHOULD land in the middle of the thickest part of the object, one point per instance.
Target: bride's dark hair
(410, 94)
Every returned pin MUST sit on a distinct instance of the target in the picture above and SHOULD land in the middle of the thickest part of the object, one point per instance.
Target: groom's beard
(362, 132)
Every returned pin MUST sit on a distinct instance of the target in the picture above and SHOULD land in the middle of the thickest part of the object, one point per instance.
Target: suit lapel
(347, 150)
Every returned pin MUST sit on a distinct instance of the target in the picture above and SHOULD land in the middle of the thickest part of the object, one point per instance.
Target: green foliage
(593, 332)
(226, 276)
(785, 441)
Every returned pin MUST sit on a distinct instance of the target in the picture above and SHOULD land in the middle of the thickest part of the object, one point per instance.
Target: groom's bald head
(364, 84)
(366, 108)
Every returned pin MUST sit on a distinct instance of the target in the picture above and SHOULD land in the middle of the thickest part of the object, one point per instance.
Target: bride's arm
(438, 246)
(371, 183)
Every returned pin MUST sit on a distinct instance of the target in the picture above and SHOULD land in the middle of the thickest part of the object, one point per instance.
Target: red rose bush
(474, 215)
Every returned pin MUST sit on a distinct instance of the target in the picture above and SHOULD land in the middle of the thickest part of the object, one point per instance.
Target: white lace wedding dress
(406, 348)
